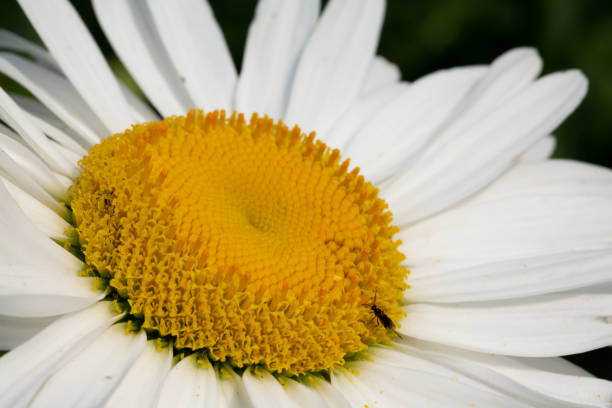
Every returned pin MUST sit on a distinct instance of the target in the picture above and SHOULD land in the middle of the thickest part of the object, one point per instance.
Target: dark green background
(423, 36)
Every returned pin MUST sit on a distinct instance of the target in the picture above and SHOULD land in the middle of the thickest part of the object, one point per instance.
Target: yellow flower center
(248, 241)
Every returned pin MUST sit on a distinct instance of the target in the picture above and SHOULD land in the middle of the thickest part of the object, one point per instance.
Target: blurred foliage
(424, 36)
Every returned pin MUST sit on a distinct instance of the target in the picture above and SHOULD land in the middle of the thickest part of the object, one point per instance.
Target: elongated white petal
(494, 144)
(27, 367)
(140, 386)
(360, 112)
(560, 379)
(58, 135)
(28, 293)
(198, 51)
(20, 238)
(302, 395)
(90, 376)
(57, 94)
(262, 388)
(334, 64)
(66, 182)
(15, 117)
(404, 357)
(129, 27)
(381, 73)
(510, 73)
(514, 278)
(539, 382)
(13, 42)
(36, 169)
(536, 209)
(190, 384)
(557, 365)
(399, 133)
(356, 395)
(543, 326)
(384, 385)
(276, 38)
(49, 124)
(232, 392)
(16, 330)
(10, 170)
(140, 110)
(541, 150)
(72, 157)
(333, 398)
(77, 54)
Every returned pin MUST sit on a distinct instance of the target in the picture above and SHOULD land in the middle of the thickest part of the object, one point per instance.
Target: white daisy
(212, 260)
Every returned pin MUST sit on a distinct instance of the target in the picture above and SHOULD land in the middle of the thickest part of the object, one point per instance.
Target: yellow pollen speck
(248, 241)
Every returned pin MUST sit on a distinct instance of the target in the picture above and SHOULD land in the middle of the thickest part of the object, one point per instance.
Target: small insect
(108, 196)
(381, 317)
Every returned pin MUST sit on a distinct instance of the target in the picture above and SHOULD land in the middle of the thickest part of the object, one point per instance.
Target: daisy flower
(206, 251)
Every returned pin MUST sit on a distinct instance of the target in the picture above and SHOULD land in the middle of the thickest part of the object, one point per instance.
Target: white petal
(355, 394)
(399, 133)
(541, 150)
(543, 326)
(190, 384)
(49, 124)
(302, 395)
(510, 73)
(335, 62)
(519, 277)
(67, 154)
(331, 395)
(140, 386)
(11, 143)
(381, 73)
(232, 392)
(262, 388)
(28, 293)
(522, 378)
(10, 170)
(16, 330)
(20, 239)
(57, 94)
(13, 42)
(17, 119)
(198, 51)
(276, 38)
(66, 182)
(482, 152)
(77, 54)
(140, 110)
(557, 365)
(27, 367)
(360, 113)
(405, 357)
(129, 27)
(378, 384)
(536, 209)
(42, 285)
(567, 382)
(88, 378)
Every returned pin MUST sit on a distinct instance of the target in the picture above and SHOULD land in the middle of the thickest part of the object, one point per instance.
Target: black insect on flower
(381, 317)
